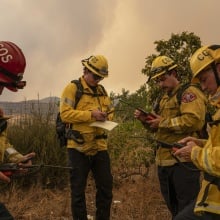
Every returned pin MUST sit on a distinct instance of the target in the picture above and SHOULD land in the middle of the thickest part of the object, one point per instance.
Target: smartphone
(147, 114)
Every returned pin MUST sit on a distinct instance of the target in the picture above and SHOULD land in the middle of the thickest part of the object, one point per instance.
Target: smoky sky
(55, 35)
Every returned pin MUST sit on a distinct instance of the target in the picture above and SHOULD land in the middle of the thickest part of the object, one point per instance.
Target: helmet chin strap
(11, 75)
(215, 74)
(17, 85)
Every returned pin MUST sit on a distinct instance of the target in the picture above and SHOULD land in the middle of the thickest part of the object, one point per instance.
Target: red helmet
(12, 66)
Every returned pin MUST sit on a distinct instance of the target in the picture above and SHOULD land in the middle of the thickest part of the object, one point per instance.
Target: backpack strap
(216, 122)
(212, 180)
(64, 130)
(80, 91)
(180, 92)
(103, 91)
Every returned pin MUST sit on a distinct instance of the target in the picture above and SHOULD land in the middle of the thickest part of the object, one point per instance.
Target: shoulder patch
(188, 97)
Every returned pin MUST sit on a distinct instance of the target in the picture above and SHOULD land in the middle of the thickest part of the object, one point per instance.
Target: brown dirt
(135, 198)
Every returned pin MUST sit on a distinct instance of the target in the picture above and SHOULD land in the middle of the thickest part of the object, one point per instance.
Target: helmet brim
(202, 68)
(164, 71)
(84, 63)
(157, 75)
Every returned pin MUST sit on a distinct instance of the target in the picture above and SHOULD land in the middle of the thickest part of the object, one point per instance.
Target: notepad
(108, 125)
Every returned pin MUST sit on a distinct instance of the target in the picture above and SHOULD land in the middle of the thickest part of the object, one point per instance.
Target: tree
(179, 47)
(126, 102)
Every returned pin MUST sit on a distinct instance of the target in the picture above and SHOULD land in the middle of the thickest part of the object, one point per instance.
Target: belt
(101, 136)
(212, 180)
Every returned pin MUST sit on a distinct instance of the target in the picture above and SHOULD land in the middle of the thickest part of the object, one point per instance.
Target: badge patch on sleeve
(188, 97)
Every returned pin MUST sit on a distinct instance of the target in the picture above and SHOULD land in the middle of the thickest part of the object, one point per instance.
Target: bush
(37, 134)
(129, 148)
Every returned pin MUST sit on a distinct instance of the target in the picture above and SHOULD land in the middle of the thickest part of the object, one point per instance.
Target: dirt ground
(135, 197)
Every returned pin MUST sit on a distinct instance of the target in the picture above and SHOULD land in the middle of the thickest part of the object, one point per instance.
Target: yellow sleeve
(207, 158)
(7, 151)
(67, 102)
(192, 113)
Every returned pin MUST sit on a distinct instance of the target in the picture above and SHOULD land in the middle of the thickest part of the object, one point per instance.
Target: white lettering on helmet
(4, 54)
(94, 59)
(202, 55)
(166, 60)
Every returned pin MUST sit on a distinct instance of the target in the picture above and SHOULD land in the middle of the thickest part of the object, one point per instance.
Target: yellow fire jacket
(7, 151)
(80, 118)
(207, 159)
(179, 121)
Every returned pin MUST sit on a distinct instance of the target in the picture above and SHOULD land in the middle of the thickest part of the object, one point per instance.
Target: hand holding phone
(148, 115)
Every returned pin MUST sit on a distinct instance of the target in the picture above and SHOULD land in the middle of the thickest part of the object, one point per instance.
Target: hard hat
(97, 64)
(201, 59)
(215, 52)
(12, 66)
(161, 65)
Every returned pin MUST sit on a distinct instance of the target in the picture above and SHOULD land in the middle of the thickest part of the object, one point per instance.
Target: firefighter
(174, 120)
(87, 145)
(12, 67)
(205, 65)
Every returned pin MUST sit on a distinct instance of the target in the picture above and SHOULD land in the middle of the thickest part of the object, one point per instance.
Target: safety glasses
(96, 77)
(161, 78)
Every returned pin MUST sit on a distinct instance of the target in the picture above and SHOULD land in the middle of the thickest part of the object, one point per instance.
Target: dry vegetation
(46, 195)
(136, 197)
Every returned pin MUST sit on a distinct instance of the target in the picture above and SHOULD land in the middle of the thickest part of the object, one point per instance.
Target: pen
(110, 112)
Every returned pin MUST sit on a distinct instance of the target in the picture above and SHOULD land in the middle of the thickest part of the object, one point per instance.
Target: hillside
(44, 105)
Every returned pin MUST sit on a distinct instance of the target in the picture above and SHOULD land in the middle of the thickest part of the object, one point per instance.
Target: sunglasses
(96, 77)
(161, 78)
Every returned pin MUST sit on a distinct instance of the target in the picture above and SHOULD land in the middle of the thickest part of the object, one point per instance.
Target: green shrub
(37, 134)
(129, 148)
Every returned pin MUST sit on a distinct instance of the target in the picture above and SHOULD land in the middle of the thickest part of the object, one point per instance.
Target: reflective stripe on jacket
(179, 120)
(208, 160)
(81, 118)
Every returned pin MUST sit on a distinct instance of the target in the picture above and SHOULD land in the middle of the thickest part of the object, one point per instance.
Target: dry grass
(135, 198)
